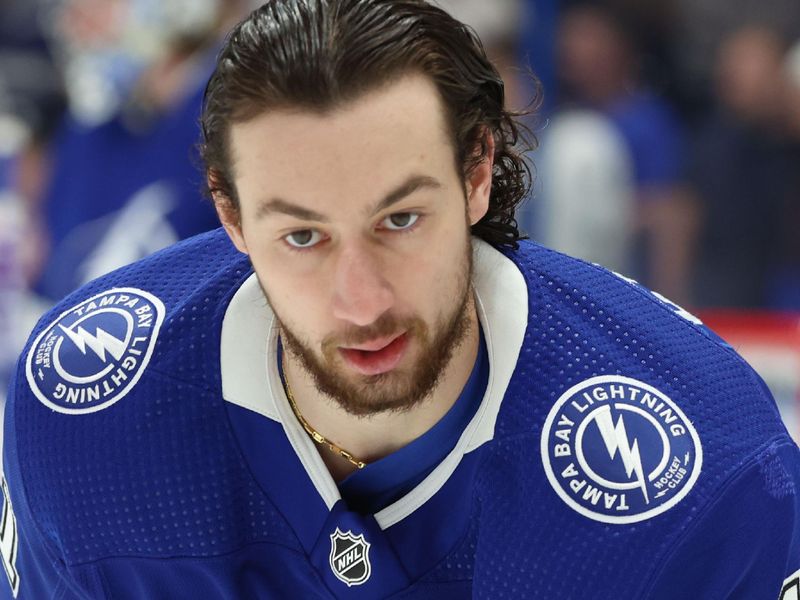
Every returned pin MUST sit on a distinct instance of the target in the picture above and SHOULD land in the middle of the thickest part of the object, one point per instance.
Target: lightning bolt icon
(100, 343)
(616, 440)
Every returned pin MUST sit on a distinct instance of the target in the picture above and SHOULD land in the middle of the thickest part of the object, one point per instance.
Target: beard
(403, 388)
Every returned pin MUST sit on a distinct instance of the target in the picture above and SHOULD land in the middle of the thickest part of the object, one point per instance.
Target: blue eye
(400, 221)
(304, 238)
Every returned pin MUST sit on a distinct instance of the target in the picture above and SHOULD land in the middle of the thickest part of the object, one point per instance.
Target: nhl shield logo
(93, 354)
(349, 558)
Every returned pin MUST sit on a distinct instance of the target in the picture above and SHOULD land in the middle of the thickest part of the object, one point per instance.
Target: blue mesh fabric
(160, 473)
(584, 322)
(157, 473)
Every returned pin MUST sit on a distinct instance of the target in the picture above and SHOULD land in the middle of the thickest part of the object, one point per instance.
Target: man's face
(357, 226)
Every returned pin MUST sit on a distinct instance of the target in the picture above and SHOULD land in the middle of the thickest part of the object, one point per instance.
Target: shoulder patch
(93, 354)
(617, 450)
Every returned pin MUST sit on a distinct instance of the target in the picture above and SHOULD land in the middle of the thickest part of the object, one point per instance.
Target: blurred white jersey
(586, 208)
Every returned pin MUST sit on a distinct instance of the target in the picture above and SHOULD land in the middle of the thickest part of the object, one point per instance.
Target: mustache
(386, 325)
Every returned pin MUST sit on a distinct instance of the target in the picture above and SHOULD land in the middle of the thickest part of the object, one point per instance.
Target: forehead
(355, 149)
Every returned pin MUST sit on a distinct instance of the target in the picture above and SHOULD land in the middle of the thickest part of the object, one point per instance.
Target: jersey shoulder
(116, 436)
(597, 341)
(153, 310)
(626, 415)
(586, 321)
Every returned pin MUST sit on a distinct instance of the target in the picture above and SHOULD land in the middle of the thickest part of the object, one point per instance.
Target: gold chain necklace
(316, 435)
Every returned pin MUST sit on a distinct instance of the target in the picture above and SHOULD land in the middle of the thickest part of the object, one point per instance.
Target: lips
(377, 356)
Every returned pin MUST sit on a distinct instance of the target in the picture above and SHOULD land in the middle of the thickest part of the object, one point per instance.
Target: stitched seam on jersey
(97, 561)
(176, 310)
(157, 370)
(76, 589)
(411, 591)
(648, 296)
(257, 483)
(103, 582)
(243, 460)
(318, 578)
(512, 437)
(47, 543)
(235, 441)
(421, 579)
(58, 593)
(778, 441)
(698, 329)
(473, 502)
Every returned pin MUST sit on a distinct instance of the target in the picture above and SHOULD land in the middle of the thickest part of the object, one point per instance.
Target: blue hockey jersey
(620, 451)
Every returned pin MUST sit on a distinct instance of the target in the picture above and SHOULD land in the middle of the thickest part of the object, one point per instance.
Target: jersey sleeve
(746, 544)
(32, 567)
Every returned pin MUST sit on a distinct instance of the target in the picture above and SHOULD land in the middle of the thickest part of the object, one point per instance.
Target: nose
(361, 291)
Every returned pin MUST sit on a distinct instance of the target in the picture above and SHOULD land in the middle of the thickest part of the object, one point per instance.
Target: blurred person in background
(31, 97)
(700, 28)
(536, 47)
(586, 206)
(598, 69)
(499, 25)
(791, 69)
(31, 102)
(124, 178)
(502, 27)
(745, 173)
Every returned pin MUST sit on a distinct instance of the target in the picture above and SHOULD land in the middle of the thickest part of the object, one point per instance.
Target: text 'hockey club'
(93, 354)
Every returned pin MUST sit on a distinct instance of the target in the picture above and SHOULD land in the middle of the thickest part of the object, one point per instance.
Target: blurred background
(669, 148)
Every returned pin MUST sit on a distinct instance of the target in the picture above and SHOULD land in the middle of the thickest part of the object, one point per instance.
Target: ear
(479, 182)
(229, 215)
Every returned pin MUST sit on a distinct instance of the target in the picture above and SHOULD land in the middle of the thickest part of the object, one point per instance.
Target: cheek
(305, 314)
(437, 274)
(297, 299)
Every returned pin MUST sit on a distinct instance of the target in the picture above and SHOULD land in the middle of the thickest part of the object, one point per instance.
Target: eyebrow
(405, 189)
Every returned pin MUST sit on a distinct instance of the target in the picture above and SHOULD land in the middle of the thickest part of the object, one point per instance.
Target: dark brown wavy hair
(320, 54)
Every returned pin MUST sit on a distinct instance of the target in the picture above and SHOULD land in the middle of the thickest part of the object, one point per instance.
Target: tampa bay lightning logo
(94, 353)
(619, 451)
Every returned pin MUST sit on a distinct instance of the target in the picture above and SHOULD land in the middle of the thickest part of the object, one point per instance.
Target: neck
(373, 437)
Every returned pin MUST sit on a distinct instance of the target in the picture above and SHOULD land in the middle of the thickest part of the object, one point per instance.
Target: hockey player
(366, 385)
